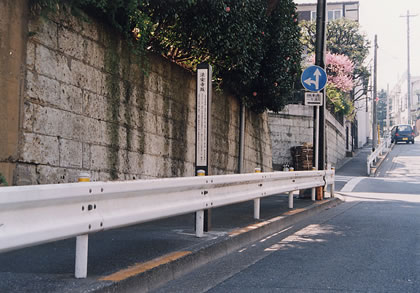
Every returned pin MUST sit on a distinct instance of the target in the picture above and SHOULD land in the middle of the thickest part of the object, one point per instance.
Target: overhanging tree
(345, 38)
(253, 45)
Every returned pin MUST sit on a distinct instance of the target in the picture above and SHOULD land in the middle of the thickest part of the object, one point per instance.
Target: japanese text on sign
(202, 119)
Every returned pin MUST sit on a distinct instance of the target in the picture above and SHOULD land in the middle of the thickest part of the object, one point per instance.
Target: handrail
(384, 146)
(31, 215)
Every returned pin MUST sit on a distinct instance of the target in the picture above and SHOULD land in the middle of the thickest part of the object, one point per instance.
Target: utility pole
(320, 49)
(374, 96)
(408, 66)
(387, 111)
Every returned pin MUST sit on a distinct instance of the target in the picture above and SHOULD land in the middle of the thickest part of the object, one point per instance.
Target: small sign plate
(313, 99)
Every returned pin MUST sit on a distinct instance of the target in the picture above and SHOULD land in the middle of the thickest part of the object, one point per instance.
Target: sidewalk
(356, 166)
(146, 255)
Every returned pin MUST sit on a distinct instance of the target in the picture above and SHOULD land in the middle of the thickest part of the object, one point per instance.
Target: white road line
(352, 184)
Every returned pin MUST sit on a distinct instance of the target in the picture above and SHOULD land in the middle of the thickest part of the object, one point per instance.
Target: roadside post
(82, 244)
(257, 201)
(203, 132)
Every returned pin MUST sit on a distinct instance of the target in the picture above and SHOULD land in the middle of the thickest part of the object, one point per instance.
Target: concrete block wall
(291, 127)
(89, 106)
(294, 126)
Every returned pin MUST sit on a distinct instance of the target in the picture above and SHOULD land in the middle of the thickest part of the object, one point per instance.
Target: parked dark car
(403, 132)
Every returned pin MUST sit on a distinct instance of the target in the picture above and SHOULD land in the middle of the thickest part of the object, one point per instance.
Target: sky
(383, 18)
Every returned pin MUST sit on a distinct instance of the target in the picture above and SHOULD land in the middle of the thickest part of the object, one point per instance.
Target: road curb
(164, 273)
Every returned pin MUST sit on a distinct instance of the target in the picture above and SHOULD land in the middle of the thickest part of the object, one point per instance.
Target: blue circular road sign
(314, 78)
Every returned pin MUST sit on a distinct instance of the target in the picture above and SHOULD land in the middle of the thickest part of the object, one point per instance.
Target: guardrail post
(314, 188)
(82, 244)
(290, 199)
(199, 223)
(257, 201)
(199, 215)
(332, 184)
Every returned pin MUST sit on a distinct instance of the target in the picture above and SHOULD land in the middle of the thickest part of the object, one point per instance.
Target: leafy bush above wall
(253, 45)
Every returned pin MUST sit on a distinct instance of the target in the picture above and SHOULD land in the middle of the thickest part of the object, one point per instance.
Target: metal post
(290, 199)
(316, 143)
(257, 208)
(320, 50)
(82, 244)
(257, 201)
(374, 130)
(314, 188)
(199, 223)
(387, 112)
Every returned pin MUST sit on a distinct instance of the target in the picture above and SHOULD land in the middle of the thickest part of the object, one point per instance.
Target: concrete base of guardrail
(179, 264)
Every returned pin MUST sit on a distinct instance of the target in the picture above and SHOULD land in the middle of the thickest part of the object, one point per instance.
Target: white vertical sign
(202, 119)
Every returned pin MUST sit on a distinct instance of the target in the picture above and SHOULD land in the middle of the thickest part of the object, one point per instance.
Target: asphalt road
(370, 243)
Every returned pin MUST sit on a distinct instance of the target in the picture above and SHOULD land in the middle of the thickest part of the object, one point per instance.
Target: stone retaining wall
(294, 126)
(87, 105)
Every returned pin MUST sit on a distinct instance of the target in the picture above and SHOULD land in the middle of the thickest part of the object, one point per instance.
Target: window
(313, 15)
(334, 14)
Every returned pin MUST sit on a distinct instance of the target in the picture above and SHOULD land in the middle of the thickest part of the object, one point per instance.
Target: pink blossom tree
(340, 71)
(339, 81)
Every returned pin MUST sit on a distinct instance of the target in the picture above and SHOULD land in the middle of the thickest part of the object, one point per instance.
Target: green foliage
(254, 50)
(122, 15)
(340, 101)
(343, 37)
(3, 180)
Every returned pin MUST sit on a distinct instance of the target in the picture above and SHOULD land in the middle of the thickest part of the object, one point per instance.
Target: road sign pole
(320, 45)
(316, 137)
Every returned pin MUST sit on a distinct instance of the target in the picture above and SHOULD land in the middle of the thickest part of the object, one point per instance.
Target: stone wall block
(52, 175)
(94, 131)
(86, 156)
(58, 123)
(71, 98)
(28, 116)
(95, 106)
(99, 158)
(71, 153)
(43, 89)
(86, 76)
(40, 149)
(43, 32)
(25, 174)
(49, 63)
(30, 55)
(71, 43)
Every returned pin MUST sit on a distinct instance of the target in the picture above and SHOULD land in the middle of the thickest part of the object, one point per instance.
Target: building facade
(335, 10)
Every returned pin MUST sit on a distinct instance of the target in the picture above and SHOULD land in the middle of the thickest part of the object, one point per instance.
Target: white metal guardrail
(31, 215)
(373, 157)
